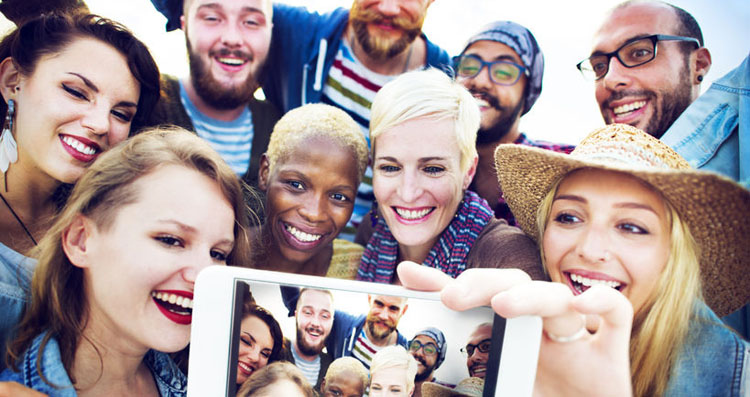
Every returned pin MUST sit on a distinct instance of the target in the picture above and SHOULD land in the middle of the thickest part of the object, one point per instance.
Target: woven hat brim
(430, 389)
(716, 209)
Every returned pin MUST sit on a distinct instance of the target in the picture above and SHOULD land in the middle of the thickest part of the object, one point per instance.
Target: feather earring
(8, 146)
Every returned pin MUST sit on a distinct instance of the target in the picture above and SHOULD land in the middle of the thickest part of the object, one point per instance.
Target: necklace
(20, 222)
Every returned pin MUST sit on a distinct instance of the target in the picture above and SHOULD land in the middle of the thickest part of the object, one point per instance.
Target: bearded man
(227, 44)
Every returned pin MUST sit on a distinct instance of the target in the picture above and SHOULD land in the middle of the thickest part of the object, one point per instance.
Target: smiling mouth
(79, 146)
(302, 236)
(231, 61)
(246, 369)
(580, 284)
(624, 110)
(413, 214)
(478, 370)
(175, 307)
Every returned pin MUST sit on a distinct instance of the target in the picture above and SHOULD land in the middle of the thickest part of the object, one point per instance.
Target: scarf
(449, 254)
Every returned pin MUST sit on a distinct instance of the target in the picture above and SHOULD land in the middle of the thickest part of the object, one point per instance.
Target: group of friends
(375, 157)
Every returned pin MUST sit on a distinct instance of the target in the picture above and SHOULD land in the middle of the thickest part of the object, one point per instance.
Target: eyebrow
(249, 336)
(94, 88)
(219, 7)
(628, 205)
(421, 159)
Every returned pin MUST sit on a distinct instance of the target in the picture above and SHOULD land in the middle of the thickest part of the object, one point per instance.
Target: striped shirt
(352, 87)
(364, 349)
(309, 368)
(231, 139)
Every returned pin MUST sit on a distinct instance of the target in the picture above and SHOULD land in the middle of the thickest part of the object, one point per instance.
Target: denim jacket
(714, 360)
(714, 131)
(170, 381)
(15, 279)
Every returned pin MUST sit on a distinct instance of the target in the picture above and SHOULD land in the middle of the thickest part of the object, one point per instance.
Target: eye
(631, 228)
(169, 241)
(566, 218)
(340, 197)
(74, 92)
(389, 168)
(251, 22)
(433, 169)
(640, 53)
(219, 256)
(266, 354)
(296, 185)
(125, 117)
(246, 341)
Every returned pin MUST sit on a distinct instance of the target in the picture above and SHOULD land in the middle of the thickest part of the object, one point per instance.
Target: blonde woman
(644, 253)
(113, 289)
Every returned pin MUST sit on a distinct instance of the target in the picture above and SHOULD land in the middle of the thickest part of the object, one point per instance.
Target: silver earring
(8, 146)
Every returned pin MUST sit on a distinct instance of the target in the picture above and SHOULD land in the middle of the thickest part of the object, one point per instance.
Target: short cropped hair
(427, 94)
(303, 290)
(686, 26)
(342, 365)
(317, 120)
(395, 356)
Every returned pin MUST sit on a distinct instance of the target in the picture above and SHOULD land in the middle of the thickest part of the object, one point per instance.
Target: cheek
(555, 245)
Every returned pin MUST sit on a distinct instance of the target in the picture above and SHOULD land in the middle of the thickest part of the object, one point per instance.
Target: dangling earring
(8, 147)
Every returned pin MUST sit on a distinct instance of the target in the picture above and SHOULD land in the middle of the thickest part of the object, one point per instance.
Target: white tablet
(217, 313)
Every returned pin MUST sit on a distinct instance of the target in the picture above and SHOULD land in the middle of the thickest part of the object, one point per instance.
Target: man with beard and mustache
(648, 62)
(342, 58)
(477, 350)
(314, 319)
(227, 43)
(511, 85)
(428, 347)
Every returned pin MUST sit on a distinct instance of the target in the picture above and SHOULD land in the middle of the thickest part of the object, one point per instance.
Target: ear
(75, 241)
(701, 59)
(469, 176)
(323, 385)
(263, 172)
(406, 306)
(182, 22)
(10, 78)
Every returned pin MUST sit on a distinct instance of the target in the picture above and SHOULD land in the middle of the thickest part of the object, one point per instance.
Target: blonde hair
(660, 328)
(313, 121)
(395, 356)
(343, 365)
(427, 94)
(58, 302)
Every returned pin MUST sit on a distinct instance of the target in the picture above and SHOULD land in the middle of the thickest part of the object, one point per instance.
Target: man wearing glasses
(477, 350)
(429, 348)
(502, 66)
(647, 64)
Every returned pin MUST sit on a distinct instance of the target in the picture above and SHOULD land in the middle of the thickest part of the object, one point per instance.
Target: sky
(566, 110)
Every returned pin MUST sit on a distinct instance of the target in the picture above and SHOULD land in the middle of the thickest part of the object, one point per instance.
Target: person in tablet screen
(469, 387)
(423, 132)
(261, 341)
(392, 373)
(477, 350)
(113, 290)
(310, 173)
(314, 319)
(276, 380)
(60, 112)
(634, 236)
(428, 347)
(346, 377)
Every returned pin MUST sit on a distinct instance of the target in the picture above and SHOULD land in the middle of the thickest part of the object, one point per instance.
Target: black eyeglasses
(429, 348)
(500, 72)
(483, 346)
(635, 52)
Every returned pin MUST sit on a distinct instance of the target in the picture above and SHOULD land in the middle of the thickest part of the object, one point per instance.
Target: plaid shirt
(502, 211)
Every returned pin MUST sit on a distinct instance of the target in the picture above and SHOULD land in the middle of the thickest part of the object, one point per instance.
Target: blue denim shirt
(15, 279)
(714, 360)
(170, 381)
(714, 131)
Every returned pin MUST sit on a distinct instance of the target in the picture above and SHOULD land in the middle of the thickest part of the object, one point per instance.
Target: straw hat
(469, 387)
(716, 209)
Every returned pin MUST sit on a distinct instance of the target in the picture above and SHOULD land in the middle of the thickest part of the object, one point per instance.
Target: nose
(312, 209)
(96, 120)
(388, 7)
(254, 355)
(593, 246)
(481, 80)
(198, 260)
(409, 189)
(617, 77)
(230, 35)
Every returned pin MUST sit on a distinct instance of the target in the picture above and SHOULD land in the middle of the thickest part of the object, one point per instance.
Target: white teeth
(244, 366)
(302, 236)
(78, 145)
(408, 214)
(174, 299)
(629, 107)
(588, 282)
(481, 102)
(231, 61)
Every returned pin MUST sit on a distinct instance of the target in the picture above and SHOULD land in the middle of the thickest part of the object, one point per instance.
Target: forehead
(602, 186)
(633, 21)
(390, 376)
(481, 333)
(490, 50)
(347, 380)
(389, 300)
(229, 6)
(419, 138)
(314, 298)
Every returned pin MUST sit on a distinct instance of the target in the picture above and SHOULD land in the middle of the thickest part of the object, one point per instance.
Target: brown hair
(273, 373)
